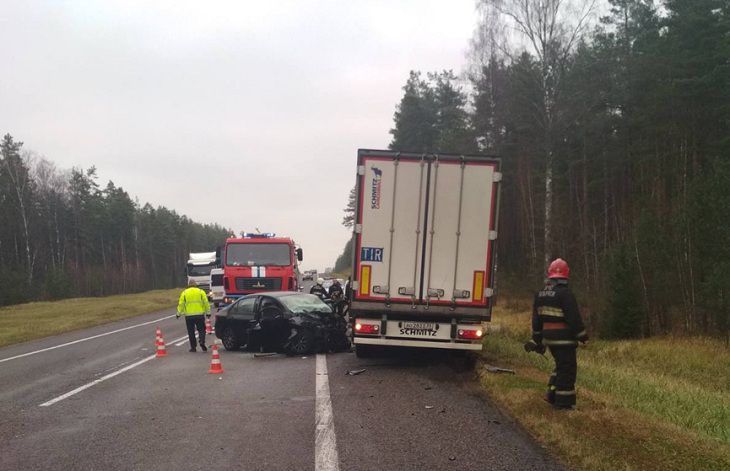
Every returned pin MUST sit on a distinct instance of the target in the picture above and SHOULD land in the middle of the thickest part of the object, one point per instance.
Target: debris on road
(496, 369)
(428, 388)
(429, 407)
(355, 372)
(268, 354)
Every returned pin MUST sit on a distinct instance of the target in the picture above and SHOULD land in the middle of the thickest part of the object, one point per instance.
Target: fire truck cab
(254, 263)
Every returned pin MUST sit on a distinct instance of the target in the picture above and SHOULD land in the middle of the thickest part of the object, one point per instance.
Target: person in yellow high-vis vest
(193, 304)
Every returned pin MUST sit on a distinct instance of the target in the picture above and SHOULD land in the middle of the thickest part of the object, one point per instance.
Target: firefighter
(318, 289)
(556, 323)
(336, 290)
(193, 304)
(337, 295)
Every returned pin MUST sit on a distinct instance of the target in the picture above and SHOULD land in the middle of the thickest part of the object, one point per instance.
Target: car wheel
(300, 343)
(230, 340)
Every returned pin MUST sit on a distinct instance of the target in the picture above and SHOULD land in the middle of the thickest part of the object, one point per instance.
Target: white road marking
(84, 339)
(325, 443)
(103, 378)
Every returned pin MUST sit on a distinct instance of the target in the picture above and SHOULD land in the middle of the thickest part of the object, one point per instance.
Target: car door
(242, 314)
(273, 322)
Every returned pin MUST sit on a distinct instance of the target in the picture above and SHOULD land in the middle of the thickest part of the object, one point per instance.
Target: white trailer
(424, 239)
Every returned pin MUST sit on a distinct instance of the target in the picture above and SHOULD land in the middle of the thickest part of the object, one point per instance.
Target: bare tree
(550, 30)
(15, 168)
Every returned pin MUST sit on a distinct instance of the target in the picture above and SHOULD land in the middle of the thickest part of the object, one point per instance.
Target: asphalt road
(411, 411)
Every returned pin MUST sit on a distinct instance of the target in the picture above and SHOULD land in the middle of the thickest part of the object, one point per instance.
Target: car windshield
(301, 303)
(199, 270)
(258, 254)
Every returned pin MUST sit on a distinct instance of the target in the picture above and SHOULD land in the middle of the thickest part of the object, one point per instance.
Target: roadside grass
(661, 403)
(23, 322)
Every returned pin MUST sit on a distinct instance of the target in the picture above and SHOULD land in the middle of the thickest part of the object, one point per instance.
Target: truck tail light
(470, 334)
(362, 327)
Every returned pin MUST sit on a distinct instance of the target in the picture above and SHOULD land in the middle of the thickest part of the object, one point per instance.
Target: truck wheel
(364, 351)
(230, 340)
(339, 342)
(301, 343)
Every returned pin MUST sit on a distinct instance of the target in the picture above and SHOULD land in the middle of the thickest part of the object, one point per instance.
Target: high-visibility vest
(193, 302)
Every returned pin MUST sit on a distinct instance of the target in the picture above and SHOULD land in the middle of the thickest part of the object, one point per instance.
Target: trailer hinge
(497, 177)
(358, 228)
(492, 235)
(361, 170)
(355, 285)
(488, 292)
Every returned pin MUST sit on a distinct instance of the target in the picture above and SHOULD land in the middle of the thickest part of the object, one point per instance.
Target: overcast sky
(243, 113)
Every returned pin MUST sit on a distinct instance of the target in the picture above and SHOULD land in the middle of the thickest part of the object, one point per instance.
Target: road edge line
(84, 339)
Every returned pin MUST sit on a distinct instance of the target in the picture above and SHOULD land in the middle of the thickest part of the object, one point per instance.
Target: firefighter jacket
(319, 290)
(193, 302)
(336, 291)
(556, 321)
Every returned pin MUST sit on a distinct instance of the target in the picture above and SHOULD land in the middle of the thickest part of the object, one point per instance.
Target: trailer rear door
(425, 229)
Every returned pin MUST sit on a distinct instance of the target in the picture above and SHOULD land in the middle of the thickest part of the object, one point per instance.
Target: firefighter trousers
(191, 322)
(561, 386)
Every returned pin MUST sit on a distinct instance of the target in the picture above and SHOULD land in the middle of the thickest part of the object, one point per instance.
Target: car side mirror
(300, 255)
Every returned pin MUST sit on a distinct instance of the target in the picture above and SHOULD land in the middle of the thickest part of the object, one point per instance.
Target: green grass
(24, 322)
(642, 404)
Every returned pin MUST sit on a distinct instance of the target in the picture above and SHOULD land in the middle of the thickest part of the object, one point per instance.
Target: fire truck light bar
(265, 235)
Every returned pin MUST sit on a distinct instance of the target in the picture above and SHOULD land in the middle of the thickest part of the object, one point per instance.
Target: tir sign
(371, 254)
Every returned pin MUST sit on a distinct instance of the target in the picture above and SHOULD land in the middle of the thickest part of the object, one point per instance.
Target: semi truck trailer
(424, 250)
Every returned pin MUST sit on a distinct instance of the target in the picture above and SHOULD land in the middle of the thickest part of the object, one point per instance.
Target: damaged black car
(288, 322)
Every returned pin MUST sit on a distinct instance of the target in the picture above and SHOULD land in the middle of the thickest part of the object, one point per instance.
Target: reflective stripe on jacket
(193, 302)
(556, 320)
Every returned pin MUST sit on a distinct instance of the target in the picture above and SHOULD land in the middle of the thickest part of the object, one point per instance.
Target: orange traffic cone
(215, 362)
(208, 327)
(160, 343)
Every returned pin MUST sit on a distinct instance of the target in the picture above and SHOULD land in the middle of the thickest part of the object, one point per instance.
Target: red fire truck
(259, 262)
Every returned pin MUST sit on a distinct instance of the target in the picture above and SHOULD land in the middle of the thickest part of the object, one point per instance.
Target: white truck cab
(199, 267)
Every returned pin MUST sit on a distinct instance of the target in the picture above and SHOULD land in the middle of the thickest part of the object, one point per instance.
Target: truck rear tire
(364, 351)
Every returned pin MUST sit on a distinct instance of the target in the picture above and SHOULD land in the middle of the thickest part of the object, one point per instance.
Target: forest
(613, 126)
(64, 235)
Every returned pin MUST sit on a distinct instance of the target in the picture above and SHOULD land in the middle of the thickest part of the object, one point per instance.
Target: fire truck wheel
(230, 340)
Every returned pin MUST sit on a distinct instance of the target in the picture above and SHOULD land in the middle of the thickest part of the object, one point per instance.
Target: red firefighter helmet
(558, 269)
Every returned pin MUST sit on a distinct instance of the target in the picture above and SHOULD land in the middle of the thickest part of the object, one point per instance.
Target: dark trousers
(561, 387)
(191, 322)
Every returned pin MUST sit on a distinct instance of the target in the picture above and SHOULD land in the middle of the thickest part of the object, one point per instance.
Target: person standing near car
(193, 304)
(319, 289)
(337, 295)
(557, 324)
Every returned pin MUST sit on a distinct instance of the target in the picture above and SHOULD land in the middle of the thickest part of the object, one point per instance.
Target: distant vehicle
(309, 275)
(216, 293)
(423, 268)
(254, 263)
(199, 267)
(293, 323)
